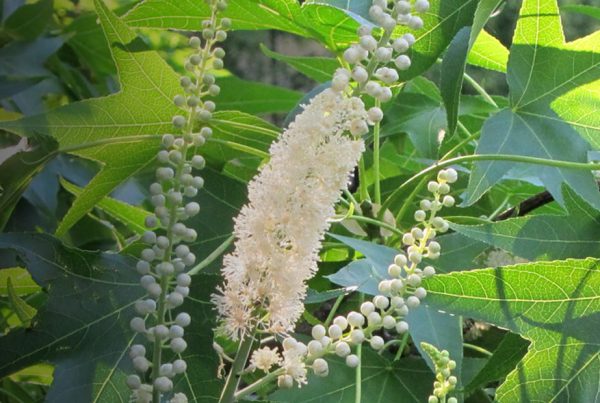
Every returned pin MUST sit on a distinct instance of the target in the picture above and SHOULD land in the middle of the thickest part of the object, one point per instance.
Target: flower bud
(318, 331)
(376, 343)
(320, 367)
(355, 319)
(352, 361)
(342, 349)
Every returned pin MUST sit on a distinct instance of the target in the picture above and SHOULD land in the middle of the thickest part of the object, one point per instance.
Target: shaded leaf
(29, 21)
(132, 217)
(553, 304)
(24, 311)
(83, 329)
(320, 69)
(382, 381)
(16, 172)
(507, 355)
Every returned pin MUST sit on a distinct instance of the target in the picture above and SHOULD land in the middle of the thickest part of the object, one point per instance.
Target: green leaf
(245, 15)
(489, 53)
(17, 171)
(24, 311)
(254, 97)
(332, 26)
(419, 116)
(382, 381)
(29, 21)
(83, 329)
(455, 61)
(133, 217)
(27, 59)
(22, 282)
(453, 66)
(507, 355)
(590, 11)
(542, 94)
(122, 131)
(546, 237)
(320, 69)
(517, 133)
(555, 305)
(88, 40)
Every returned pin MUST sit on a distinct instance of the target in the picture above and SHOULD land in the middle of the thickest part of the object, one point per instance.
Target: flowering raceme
(279, 232)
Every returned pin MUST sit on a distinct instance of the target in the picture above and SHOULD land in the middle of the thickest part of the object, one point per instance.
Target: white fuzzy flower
(264, 358)
(279, 232)
(294, 365)
(143, 394)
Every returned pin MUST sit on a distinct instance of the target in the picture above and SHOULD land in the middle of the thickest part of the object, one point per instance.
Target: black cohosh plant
(164, 264)
(291, 202)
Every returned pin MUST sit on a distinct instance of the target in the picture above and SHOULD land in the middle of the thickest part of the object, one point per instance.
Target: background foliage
(86, 91)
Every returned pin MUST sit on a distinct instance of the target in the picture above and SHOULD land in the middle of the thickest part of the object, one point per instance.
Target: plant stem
(377, 223)
(478, 349)
(401, 347)
(358, 379)
(362, 177)
(258, 384)
(334, 309)
(376, 145)
(240, 147)
(480, 90)
(212, 257)
(234, 377)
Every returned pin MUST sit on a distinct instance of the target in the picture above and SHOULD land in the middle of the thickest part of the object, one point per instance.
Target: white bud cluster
(399, 293)
(165, 260)
(370, 57)
(445, 382)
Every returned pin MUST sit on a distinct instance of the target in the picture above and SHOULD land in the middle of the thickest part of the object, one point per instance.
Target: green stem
(358, 379)
(478, 349)
(403, 344)
(492, 157)
(480, 90)
(240, 147)
(334, 309)
(362, 178)
(376, 145)
(212, 257)
(377, 223)
(407, 203)
(234, 377)
(258, 384)
(358, 375)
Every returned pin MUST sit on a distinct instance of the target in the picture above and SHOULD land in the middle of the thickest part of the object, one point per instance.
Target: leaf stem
(334, 309)
(402, 346)
(480, 90)
(478, 349)
(240, 147)
(377, 223)
(219, 250)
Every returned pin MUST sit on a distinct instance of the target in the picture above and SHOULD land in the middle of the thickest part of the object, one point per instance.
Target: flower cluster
(445, 382)
(279, 232)
(164, 263)
(398, 294)
(370, 58)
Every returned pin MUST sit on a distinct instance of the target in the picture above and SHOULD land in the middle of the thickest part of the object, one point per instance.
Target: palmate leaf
(332, 26)
(555, 305)
(83, 328)
(547, 237)
(122, 131)
(554, 110)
